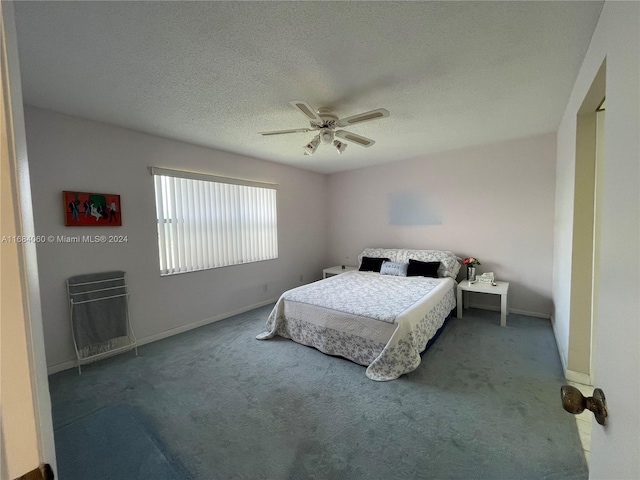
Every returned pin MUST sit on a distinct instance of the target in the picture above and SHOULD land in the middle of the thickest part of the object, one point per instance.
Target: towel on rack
(99, 307)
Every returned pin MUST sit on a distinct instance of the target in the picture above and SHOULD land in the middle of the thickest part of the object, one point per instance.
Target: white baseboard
(546, 316)
(59, 367)
(202, 323)
(511, 310)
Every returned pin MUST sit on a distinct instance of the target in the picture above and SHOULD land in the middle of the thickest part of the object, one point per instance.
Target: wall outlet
(264, 289)
(301, 278)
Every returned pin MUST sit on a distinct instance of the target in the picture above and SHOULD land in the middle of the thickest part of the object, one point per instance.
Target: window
(206, 221)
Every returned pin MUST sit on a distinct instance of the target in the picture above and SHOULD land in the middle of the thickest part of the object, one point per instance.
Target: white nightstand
(501, 288)
(337, 270)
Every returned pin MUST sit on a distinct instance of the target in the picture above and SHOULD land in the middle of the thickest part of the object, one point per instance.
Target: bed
(380, 320)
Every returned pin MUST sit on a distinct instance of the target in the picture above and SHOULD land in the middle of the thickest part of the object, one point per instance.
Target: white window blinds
(206, 221)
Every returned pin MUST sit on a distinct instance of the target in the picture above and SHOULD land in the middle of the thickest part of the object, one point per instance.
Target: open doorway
(586, 232)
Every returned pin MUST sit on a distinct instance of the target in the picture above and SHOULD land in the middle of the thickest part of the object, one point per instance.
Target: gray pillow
(394, 268)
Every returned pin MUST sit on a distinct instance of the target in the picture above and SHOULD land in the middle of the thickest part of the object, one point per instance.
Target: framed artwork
(84, 209)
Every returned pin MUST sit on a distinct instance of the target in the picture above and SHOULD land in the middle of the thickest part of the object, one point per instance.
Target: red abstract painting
(83, 209)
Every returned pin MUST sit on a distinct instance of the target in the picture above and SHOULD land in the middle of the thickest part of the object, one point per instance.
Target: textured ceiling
(452, 74)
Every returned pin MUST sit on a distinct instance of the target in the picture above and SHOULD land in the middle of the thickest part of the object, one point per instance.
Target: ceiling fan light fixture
(326, 136)
(310, 148)
(340, 147)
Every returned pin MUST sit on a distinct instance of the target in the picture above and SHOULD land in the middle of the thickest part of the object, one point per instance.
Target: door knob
(574, 402)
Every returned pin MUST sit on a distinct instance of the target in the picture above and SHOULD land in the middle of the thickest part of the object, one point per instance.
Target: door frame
(585, 242)
(13, 121)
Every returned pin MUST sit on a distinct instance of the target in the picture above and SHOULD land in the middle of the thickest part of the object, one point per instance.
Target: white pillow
(397, 269)
(390, 253)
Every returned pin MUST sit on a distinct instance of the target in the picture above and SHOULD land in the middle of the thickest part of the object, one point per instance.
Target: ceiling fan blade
(307, 109)
(363, 117)
(352, 137)
(280, 132)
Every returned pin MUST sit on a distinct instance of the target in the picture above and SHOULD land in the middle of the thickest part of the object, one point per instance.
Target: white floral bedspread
(377, 320)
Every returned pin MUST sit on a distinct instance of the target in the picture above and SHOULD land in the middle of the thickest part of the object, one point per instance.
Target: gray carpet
(484, 404)
(113, 442)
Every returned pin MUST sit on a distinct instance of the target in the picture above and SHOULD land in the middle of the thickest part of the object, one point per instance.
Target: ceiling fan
(325, 123)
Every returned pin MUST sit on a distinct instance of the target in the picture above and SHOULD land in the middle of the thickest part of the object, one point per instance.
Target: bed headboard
(449, 261)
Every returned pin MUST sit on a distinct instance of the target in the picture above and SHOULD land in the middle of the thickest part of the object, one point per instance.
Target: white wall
(493, 202)
(69, 153)
(614, 449)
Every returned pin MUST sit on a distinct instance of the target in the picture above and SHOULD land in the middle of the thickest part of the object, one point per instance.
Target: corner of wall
(563, 357)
